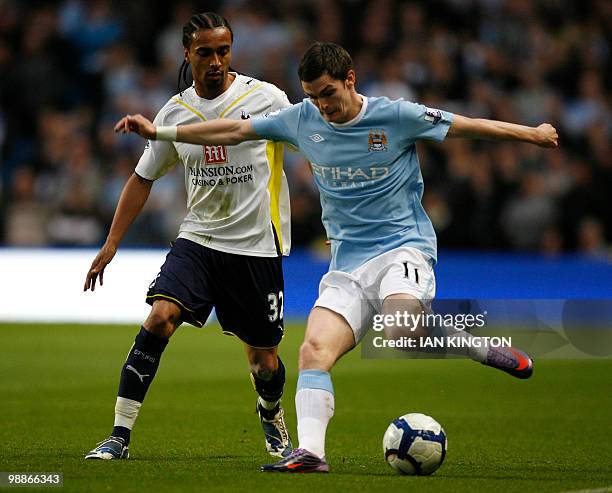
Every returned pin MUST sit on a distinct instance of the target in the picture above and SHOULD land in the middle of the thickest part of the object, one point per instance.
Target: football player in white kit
(383, 245)
(229, 249)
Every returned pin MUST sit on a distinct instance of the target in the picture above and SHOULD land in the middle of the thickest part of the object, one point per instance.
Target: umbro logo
(316, 138)
(139, 375)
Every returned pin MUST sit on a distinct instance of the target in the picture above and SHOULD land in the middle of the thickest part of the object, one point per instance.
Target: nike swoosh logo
(293, 466)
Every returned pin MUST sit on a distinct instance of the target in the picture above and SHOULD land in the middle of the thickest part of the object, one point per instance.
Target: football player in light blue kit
(365, 165)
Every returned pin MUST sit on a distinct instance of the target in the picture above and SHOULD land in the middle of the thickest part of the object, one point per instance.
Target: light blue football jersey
(367, 172)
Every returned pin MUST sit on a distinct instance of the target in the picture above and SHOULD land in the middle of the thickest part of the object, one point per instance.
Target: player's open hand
(105, 255)
(136, 123)
(546, 136)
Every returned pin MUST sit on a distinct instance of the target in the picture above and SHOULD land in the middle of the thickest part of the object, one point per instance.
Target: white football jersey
(237, 196)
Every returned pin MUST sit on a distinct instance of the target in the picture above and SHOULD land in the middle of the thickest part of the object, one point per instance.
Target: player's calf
(402, 318)
(137, 374)
(269, 385)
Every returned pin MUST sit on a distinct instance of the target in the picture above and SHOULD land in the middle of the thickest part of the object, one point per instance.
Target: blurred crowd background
(70, 69)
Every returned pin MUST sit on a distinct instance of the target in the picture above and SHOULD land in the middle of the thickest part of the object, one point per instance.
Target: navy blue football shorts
(246, 291)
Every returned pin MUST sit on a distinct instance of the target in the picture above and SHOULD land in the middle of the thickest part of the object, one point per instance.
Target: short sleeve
(158, 156)
(280, 125)
(278, 98)
(420, 122)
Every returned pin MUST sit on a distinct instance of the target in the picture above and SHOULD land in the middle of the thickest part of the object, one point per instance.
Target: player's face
(333, 97)
(210, 54)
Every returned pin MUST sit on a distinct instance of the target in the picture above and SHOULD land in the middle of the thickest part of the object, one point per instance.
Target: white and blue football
(415, 444)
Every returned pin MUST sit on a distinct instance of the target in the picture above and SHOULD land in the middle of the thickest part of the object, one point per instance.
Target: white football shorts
(359, 295)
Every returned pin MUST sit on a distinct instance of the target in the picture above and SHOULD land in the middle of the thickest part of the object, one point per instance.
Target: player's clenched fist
(136, 123)
(547, 135)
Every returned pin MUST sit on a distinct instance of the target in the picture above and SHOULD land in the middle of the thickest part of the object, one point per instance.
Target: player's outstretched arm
(133, 197)
(213, 132)
(544, 135)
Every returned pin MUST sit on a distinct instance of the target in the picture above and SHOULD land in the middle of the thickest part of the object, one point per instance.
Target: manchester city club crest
(377, 141)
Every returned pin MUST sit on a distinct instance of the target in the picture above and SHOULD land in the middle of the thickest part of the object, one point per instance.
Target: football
(415, 444)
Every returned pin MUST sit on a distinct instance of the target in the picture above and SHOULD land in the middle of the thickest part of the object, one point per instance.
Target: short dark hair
(322, 58)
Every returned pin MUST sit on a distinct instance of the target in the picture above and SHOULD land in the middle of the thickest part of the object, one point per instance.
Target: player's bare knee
(163, 320)
(402, 318)
(263, 363)
(159, 326)
(396, 332)
(262, 371)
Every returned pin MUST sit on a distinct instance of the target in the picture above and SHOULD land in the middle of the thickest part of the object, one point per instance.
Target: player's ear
(350, 79)
(186, 53)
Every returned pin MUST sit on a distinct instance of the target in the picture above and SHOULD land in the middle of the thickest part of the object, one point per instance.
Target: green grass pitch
(198, 431)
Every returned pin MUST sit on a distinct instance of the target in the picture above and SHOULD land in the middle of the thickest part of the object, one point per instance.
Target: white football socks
(126, 412)
(314, 407)
(268, 405)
